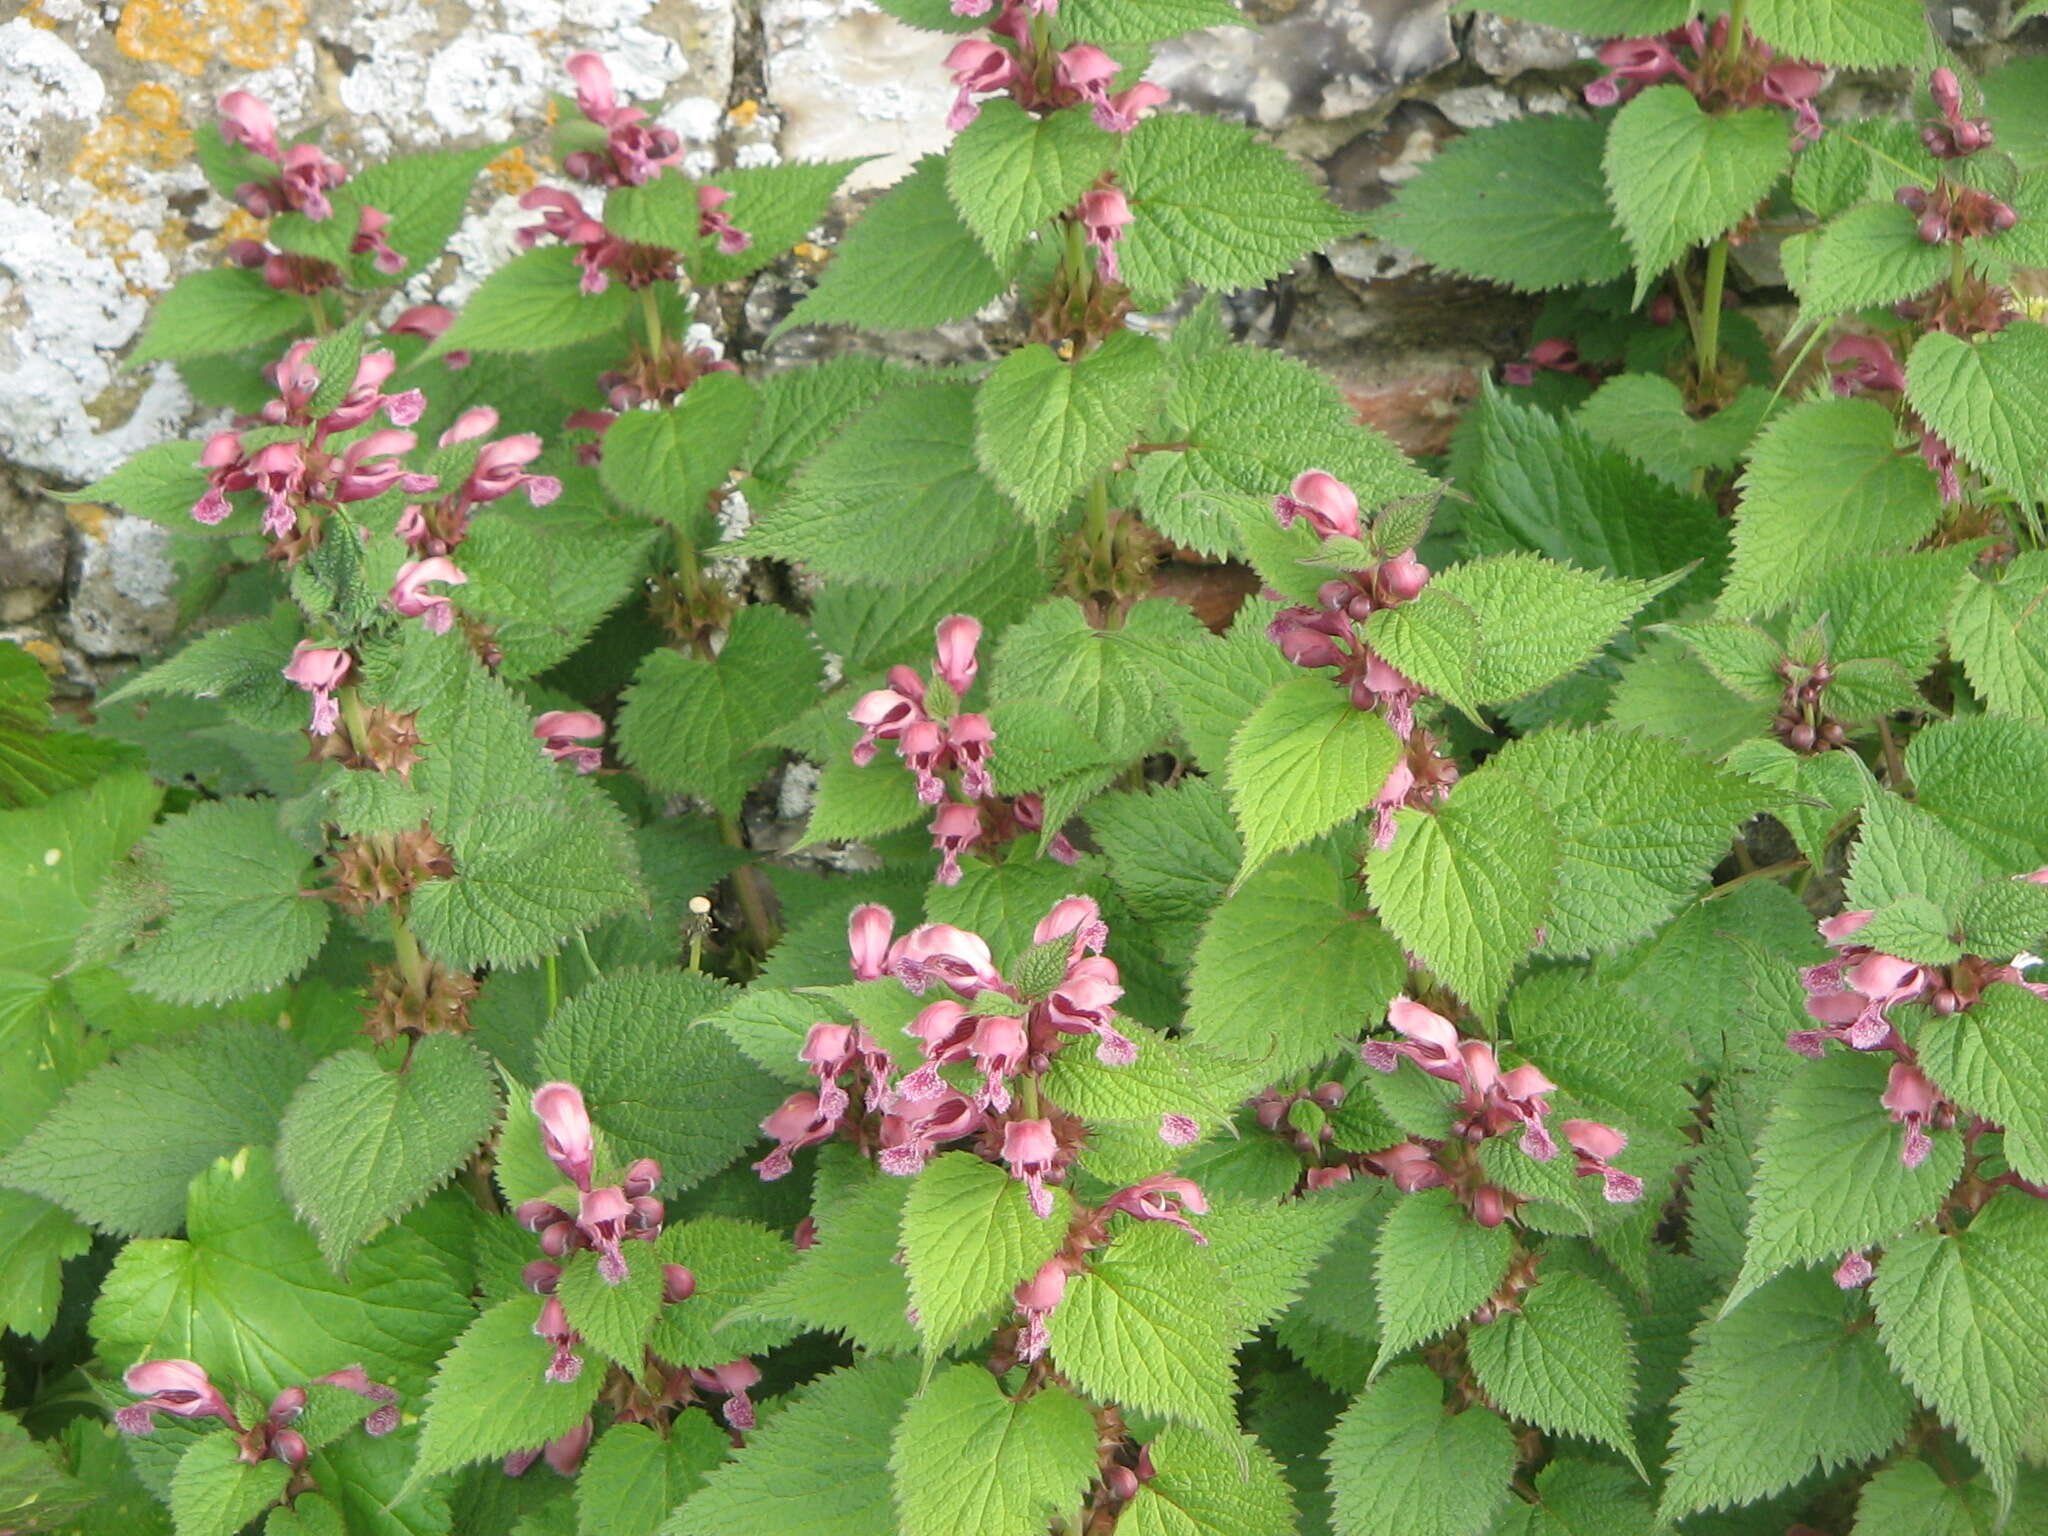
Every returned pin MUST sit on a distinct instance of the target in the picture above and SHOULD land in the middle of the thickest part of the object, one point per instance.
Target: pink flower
(1082, 1005)
(410, 597)
(1524, 1095)
(428, 320)
(954, 830)
(601, 1216)
(922, 747)
(732, 1379)
(370, 241)
(1119, 113)
(1596, 1145)
(1178, 1130)
(1872, 366)
(798, 1122)
(941, 952)
(499, 472)
(1036, 1298)
(320, 670)
(1410, 1166)
(1085, 71)
(1635, 62)
(914, 1126)
(635, 152)
(997, 1046)
(561, 733)
(883, 715)
(353, 1378)
(1078, 917)
(955, 661)
(970, 743)
(1854, 1271)
(1431, 1043)
(1030, 1150)
(868, 930)
(565, 1133)
(1162, 1198)
(553, 1325)
(712, 221)
(978, 68)
(180, 1388)
(246, 121)
(1911, 1098)
(1790, 84)
(1327, 502)
(1104, 214)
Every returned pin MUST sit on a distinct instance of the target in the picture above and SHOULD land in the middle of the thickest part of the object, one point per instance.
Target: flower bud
(641, 1178)
(1488, 1209)
(289, 1447)
(541, 1277)
(558, 1239)
(677, 1283)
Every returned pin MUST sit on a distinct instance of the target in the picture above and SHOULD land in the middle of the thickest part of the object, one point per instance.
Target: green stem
(1738, 29)
(358, 720)
(320, 325)
(650, 311)
(1027, 1095)
(1080, 271)
(1710, 313)
(747, 881)
(589, 960)
(554, 986)
(412, 965)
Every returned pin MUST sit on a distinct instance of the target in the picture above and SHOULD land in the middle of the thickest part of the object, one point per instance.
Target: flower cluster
(304, 176)
(1490, 1102)
(182, 1389)
(1701, 60)
(1331, 633)
(496, 469)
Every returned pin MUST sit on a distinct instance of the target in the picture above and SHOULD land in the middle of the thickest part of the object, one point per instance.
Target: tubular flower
(1162, 1198)
(913, 1128)
(410, 597)
(1595, 1145)
(1104, 214)
(320, 670)
(1030, 1151)
(979, 68)
(180, 1388)
(1911, 1098)
(733, 1380)
(353, 1378)
(635, 152)
(1035, 1299)
(563, 733)
(798, 1122)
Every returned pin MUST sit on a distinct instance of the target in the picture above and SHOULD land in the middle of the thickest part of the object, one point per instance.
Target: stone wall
(101, 207)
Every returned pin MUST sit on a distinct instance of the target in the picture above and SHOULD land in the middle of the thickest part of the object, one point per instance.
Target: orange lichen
(241, 224)
(187, 34)
(743, 113)
(32, 13)
(151, 132)
(89, 518)
(511, 173)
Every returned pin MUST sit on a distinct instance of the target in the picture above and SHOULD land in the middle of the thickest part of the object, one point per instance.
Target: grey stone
(1505, 49)
(124, 588)
(35, 553)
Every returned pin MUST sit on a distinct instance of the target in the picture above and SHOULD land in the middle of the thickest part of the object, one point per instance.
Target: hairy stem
(1715, 284)
(358, 720)
(412, 965)
(747, 881)
(650, 312)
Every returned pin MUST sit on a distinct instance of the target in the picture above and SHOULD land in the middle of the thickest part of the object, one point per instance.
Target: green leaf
(802, 409)
(1829, 1178)
(1200, 1489)
(1827, 483)
(54, 857)
(1959, 1314)
(160, 483)
(1645, 417)
(1680, 178)
(665, 463)
(1999, 632)
(634, 1475)
(1143, 21)
(36, 1238)
(1903, 851)
(1045, 429)
(1788, 1383)
(1212, 684)
(1600, 18)
(1435, 1265)
(533, 304)
(1563, 1362)
(1212, 205)
(544, 581)
(1913, 928)
(1172, 850)
(659, 1082)
(1581, 1498)
(969, 1238)
(850, 1282)
(491, 1394)
(1992, 1060)
(36, 761)
(896, 498)
(1742, 657)
(2003, 917)
(222, 309)
(215, 1493)
(967, 1458)
(871, 627)
(247, 1293)
(1008, 172)
(1910, 1498)
(697, 727)
(1537, 621)
(361, 1146)
(241, 665)
(1149, 1324)
(1520, 203)
(1871, 255)
(819, 1467)
(776, 204)
(1464, 889)
(1640, 823)
(424, 196)
(735, 1262)
(1864, 33)
(614, 1320)
(1401, 1466)
(1984, 398)
(1306, 761)
(1103, 677)
(127, 1139)
(907, 263)
(1976, 776)
(1251, 418)
(1285, 967)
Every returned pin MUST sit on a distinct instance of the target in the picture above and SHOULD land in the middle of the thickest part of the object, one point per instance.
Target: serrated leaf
(1983, 398)
(659, 1082)
(1910, 1498)
(1913, 928)
(1199, 1489)
(1829, 1178)
(968, 1458)
(907, 263)
(1998, 630)
(1046, 428)
(735, 1263)
(534, 303)
(850, 1281)
(1103, 677)
(1645, 416)
(1581, 1498)
(1434, 1266)
(1213, 684)
(36, 761)
(1976, 776)
(613, 1320)
(2004, 917)
(969, 1237)
(697, 727)
(247, 1293)
(1465, 889)
(215, 1493)
(1679, 177)
(127, 1139)
(1306, 761)
(665, 463)
(241, 665)
(1826, 483)
(820, 1467)
(1401, 1466)
(896, 498)
(1149, 1324)
(55, 857)
(491, 1394)
(1285, 967)
(1008, 172)
(1959, 1316)
(360, 1146)
(1640, 825)
(1992, 1060)
(634, 1475)
(1787, 1383)
(1871, 255)
(874, 626)
(423, 196)
(544, 581)
(1211, 205)
(1903, 851)
(1857, 32)
(219, 310)
(777, 205)
(1172, 850)
(1145, 21)
(1563, 1362)
(1519, 203)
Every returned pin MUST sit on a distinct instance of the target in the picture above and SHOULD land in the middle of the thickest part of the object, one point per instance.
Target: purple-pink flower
(564, 735)
(1162, 1198)
(1031, 1151)
(320, 670)
(180, 1388)
(410, 597)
